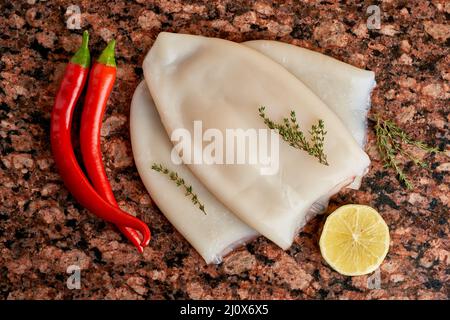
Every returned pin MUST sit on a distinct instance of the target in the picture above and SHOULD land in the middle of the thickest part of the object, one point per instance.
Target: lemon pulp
(354, 240)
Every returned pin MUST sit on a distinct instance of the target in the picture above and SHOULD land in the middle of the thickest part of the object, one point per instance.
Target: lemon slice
(354, 240)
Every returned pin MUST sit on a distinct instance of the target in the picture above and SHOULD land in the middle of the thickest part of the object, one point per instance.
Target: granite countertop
(43, 230)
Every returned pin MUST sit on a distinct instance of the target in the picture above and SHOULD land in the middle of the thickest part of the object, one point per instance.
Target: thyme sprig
(290, 131)
(390, 140)
(180, 183)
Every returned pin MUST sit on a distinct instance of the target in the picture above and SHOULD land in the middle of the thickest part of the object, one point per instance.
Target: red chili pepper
(76, 182)
(101, 81)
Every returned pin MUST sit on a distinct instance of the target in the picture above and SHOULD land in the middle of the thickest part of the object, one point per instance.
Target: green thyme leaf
(290, 131)
(173, 176)
(390, 140)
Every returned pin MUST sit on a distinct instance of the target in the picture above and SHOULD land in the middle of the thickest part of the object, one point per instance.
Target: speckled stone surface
(43, 230)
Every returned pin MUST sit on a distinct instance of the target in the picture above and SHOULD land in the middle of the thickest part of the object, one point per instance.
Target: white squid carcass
(222, 84)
